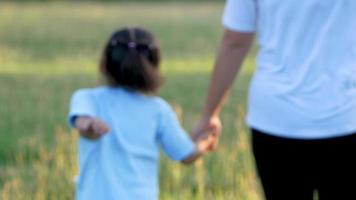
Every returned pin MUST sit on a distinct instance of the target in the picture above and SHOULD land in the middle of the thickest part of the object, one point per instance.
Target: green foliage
(49, 50)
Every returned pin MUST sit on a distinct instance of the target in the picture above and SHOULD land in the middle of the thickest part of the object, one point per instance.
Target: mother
(302, 98)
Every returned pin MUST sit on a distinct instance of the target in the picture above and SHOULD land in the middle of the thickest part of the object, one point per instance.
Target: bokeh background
(48, 49)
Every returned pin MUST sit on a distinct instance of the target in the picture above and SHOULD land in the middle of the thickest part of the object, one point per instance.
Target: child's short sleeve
(174, 140)
(81, 104)
(240, 15)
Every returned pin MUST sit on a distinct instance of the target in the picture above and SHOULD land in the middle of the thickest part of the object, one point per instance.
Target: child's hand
(206, 142)
(208, 126)
(90, 127)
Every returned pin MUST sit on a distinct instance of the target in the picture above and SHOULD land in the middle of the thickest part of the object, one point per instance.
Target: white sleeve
(81, 104)
(174, 140)
(240, 15)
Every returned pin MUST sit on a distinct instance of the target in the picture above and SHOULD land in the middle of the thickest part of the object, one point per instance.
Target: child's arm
(90, 127)
(204, 144)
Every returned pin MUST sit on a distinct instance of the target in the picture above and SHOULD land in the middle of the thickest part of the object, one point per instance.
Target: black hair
(131, 59)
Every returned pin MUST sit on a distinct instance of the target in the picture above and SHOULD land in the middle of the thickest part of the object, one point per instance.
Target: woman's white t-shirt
(305, 80)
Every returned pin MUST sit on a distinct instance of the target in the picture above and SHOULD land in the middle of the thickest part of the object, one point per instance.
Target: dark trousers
(292, 169)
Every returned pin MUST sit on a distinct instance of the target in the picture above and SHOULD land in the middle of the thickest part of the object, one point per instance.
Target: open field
(49, 50)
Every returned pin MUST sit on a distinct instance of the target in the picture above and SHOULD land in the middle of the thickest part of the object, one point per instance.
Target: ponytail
(132, 64)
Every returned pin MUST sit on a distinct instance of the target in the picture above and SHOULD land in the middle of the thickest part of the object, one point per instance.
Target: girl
(122, 125)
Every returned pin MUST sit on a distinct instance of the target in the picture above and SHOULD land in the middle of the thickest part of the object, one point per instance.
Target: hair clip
(132, 45)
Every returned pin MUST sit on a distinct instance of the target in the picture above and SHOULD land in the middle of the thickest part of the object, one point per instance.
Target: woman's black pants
(293, 169)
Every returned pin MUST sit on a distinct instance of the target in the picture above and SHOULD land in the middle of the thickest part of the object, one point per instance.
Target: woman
(302, 98)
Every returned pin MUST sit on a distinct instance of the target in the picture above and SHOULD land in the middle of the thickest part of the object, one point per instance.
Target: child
(122, 125)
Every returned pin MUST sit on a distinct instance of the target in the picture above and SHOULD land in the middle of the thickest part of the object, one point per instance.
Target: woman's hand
(90, 127)
(206, 137)
(207, 133)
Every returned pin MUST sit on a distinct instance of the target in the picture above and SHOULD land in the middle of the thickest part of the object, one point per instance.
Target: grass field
(49, 50)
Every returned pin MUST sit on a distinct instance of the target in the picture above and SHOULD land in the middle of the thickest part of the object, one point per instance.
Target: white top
(123, 164)
(305, 81)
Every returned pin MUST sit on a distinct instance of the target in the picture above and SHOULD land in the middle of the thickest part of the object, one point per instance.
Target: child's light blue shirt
(123, 164)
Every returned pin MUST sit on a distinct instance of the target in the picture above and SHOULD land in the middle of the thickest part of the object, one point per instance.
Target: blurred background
(50, 48)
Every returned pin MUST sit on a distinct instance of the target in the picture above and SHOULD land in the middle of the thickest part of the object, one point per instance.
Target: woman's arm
(232, 52)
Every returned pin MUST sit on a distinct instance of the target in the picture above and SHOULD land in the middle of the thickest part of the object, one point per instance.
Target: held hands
(206, 134)
(90, 127)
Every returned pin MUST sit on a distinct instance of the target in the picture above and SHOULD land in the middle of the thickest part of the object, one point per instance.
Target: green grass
(49, 50)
